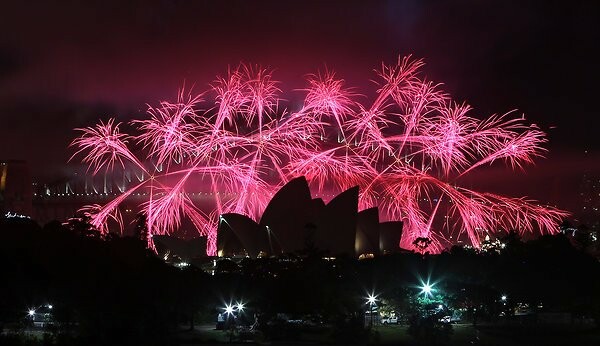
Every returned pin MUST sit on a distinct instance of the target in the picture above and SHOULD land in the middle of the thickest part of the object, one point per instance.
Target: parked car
(389, 320)
(446, 319)
(455, 318)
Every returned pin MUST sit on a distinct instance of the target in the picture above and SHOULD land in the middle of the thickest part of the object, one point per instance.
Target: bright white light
(229, 309)
(31, 312)
(503, 298)
(426, 289)
(371, 299)
(50, 306)
(240, 307)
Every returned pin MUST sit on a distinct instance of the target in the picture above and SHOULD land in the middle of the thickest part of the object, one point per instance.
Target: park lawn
(463, 334)
(467, 334)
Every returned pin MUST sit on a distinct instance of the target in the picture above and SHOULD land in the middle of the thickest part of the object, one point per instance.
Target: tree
(422, 243)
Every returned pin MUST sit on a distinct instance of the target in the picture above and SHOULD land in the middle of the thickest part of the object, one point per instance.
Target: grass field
(466, 334)
(462, 334)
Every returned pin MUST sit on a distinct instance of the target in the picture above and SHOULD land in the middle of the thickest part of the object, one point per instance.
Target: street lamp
(427, 289)
(371, 299)
(228, 309)
(228, 325)
(31, 315)
(503, 298)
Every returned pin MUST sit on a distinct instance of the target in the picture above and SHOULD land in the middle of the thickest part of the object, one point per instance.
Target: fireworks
(407, 151)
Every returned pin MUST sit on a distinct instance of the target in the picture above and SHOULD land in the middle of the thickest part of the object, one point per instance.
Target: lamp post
(371, 299)
(426, 289)
(230, 317)
(228, 325)
(228, 313)
(31, 314)
(504, 308)
(240, 310)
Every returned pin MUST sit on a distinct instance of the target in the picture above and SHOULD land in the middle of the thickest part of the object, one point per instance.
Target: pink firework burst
(407, 150)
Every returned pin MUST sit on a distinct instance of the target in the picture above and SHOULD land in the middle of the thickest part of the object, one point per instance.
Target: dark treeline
(114, 291)
(103, 291)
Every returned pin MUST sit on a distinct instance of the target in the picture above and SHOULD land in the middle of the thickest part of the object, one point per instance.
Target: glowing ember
(408, 152)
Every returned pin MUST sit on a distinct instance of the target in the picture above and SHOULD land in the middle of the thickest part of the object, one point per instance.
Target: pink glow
(407, 150)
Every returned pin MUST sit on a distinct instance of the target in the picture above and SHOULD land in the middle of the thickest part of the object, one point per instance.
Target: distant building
(589, 192)
(294, 222)
(180, 252)
(15, 188)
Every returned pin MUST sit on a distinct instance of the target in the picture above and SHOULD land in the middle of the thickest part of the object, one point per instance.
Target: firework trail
(408, 151)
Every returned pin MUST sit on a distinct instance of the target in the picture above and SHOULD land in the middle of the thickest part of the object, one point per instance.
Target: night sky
(67, 65)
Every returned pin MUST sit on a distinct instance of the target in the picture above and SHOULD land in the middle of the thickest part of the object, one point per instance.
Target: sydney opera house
(294, 222)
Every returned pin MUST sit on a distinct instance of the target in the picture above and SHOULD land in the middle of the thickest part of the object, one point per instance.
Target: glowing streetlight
(31, 312)
(371, 299)
(240, 307)
(504, 297)
(229, 309)
(427, 289)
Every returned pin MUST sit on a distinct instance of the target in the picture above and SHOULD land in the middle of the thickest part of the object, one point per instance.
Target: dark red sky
(69, 64)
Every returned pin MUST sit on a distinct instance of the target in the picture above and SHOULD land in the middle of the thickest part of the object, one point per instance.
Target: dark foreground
(462, 334)
(113, 291)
